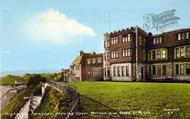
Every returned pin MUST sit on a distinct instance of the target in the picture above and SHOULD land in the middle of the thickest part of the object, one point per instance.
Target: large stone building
(169, 55)
(124, 55)
(133, 55)
(87, 66)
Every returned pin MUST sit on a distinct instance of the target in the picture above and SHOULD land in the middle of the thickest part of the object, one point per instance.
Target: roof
(77, 60)
(176, 30)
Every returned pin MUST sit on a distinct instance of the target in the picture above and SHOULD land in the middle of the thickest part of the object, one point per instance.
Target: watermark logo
(160, 21)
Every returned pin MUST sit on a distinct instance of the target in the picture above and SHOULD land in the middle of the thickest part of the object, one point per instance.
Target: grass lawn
(135, 99)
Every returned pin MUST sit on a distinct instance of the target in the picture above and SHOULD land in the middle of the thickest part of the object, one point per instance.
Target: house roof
(77, 60)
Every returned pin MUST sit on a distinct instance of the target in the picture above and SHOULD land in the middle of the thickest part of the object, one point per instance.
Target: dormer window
(183, 36)
(157, 40)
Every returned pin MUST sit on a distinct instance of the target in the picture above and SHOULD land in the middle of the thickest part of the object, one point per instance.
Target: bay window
(182, 68)
(182, 52)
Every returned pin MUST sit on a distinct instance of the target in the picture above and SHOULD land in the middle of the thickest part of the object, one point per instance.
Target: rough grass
(53, 105)
(10, 79)
(138, 100)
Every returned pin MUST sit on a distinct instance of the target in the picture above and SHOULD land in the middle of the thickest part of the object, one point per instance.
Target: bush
(36, 79)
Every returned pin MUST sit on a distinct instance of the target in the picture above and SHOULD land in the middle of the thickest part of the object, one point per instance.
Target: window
(163, 69)
(182, 52)
(127, 70)
(182, 69)
(154, 41)
(177, 52)
(126, 52)
(88, 61)
(153, 70)
(160, 40)
(114, 40)
(158, 54)
(129, 52)
(149, 70)
(108, 71)
(183, 36)
(157, 40)
(99, 60)
(114, 71)
(177, 69)
(163, 54)
(108, 43)
(188, 51)
(179, 36)
(158, 70)
(114, 54)
(188, 69)
(153, 55)
(124, 39)
(187, 35)
(129, 37)
(118, 71)
(93, 61)
(122, 70)
(96, 71)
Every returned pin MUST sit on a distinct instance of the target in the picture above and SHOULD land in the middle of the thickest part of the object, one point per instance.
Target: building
(169, 55)
(87, 66)
(125, 55)
(62, 75)
(133, 55)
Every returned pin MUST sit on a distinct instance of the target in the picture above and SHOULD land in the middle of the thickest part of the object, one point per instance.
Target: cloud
(55, 26)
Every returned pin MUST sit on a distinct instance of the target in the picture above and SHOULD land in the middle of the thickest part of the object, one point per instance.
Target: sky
(48, 34)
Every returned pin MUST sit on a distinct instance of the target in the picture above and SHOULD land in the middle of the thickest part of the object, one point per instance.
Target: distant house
(87, 66)
(63, 75)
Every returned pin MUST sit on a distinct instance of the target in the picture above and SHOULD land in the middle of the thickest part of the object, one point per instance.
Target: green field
(135, 99)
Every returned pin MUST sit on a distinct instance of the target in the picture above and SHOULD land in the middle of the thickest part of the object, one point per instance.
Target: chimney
(93, 53)
(81, 52)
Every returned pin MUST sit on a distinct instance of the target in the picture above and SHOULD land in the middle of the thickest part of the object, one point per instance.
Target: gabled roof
(83, 56)
(77, 60)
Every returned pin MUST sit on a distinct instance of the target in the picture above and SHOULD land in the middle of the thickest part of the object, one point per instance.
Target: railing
(67, 89)
(12, 89)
